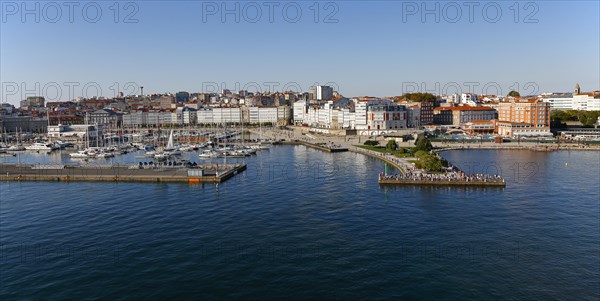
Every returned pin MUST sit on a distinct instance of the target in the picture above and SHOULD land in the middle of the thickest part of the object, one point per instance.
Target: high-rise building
(320, 93)
(182, 97)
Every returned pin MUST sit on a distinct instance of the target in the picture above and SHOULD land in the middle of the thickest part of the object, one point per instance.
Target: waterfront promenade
(408, 173)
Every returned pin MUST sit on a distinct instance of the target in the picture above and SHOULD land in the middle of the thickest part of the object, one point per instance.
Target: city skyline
(362, 48)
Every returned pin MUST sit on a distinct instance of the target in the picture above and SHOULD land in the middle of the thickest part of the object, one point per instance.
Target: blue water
(303, 224)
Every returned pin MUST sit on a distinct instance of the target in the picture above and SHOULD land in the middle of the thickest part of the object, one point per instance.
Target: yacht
(16, 148)
(208, 154)
(61, 144)
(80, 154)
(105, 155)
(38, 146)
(161, 156)
(259, 147)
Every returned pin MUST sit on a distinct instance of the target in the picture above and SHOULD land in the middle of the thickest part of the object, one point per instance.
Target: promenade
(408, 173)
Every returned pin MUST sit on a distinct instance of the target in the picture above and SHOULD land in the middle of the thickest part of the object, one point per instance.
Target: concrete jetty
(118, 173)
(441, 183)
(322, 147)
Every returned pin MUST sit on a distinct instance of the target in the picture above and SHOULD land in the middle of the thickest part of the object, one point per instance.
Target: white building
(360, 111)
(346, 119)
(284, 115)
(75, 130)
(586, 102)
(469, 99)
(204, 116)
(312, 116)
(136, 118)
(158, 118)
(227, 115)
(262, 115)
(558, 101)
(381, 116)
(299, 110)
(189, 116)
(325, 115)
(274, 115)
(573, 101)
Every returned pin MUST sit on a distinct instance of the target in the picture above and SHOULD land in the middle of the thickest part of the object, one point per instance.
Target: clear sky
(376, 48)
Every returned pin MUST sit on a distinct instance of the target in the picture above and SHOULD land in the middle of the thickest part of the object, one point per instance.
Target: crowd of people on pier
(445, 177)
(332, 145)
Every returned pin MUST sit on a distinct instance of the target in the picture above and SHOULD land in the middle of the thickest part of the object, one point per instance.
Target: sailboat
(169, 150)
(18, 146)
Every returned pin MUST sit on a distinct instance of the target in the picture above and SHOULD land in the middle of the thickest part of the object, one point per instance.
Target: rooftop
(465, 108)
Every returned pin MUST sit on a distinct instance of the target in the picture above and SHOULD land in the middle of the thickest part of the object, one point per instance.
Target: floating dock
(118, 173)
(442, 183)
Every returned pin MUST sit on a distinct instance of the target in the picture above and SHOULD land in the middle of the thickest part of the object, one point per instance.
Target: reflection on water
(312, 225)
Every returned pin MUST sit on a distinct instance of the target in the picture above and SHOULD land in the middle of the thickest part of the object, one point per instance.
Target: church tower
(577, 90)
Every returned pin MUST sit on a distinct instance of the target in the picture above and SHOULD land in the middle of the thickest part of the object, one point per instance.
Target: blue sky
(377, 48)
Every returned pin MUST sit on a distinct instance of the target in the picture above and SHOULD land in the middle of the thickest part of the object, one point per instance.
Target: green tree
(418, 97)
(391, 145)
(431, 163)
(420, 154)
(514, 94)
(423, 144)
(372, 142)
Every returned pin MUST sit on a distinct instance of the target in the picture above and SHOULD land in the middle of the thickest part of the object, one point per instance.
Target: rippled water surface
(302, 224)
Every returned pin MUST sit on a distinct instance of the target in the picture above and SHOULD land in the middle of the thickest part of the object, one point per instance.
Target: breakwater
(118, 173)
(440, 183)
(326, 147)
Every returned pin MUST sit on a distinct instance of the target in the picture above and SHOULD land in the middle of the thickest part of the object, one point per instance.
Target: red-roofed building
(529, 117)
(462, 114)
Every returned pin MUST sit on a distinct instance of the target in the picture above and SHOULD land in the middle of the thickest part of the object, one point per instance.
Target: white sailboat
(169, 150)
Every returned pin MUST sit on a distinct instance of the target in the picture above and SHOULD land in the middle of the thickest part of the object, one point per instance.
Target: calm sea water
(302, 224)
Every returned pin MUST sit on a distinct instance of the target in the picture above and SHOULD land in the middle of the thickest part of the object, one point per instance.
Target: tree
(586, 118)
(417, 97)
(391, 145)
(423, 144)
(372, 142)
(431, 163)
(514, 94)
(420, 154)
